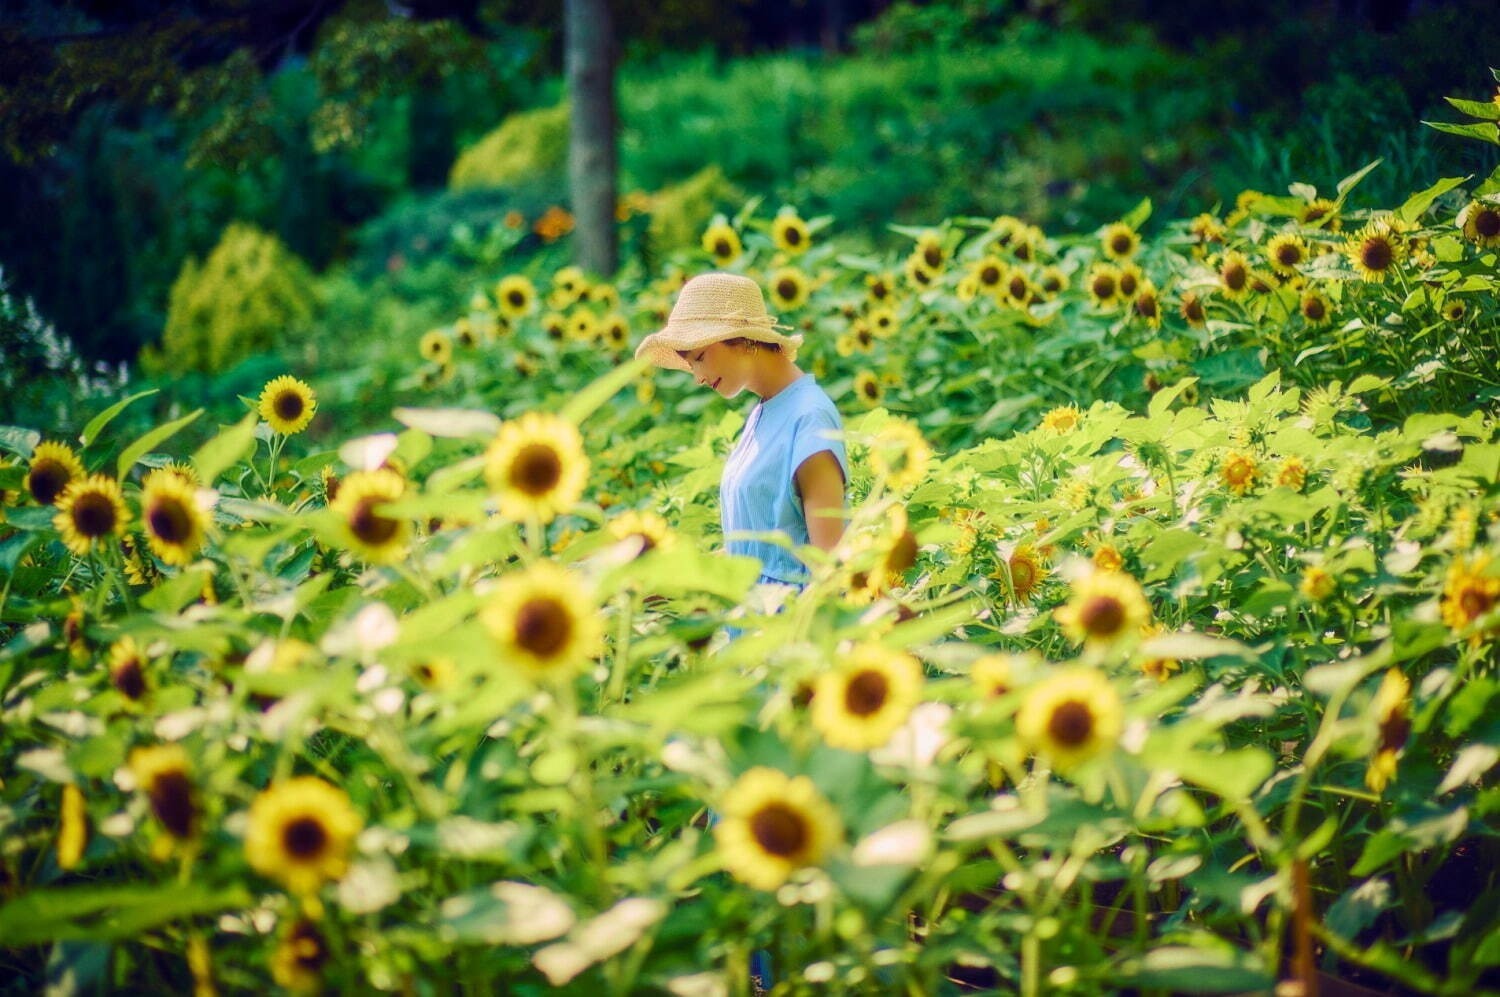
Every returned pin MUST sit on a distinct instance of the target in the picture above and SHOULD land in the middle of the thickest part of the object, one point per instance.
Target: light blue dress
(758, 493)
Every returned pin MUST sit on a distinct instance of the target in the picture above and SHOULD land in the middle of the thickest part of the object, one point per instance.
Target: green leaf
(1213, 968)
(586, 401)
(19, 440)
(146, 443)
(1358, 908)
(171, 595)
(1352, 180)
(1471, 763)
(1366, 382)
(98, 422)
(1233, 775)
(993, 824)
(226, 449)
(1491, 184)
(109, 912)
(1486, 110)
(1484, 131)
(1137, 215)
(454, 423)
(1419, 203)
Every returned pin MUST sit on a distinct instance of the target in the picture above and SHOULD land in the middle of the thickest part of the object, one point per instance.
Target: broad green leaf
(1213, 968)
(993, 824)
(98, 422)
(1358, 908)
(1352, 180)
(1483, 109)
(109, 912)
(1366, 382)
(586, 401)
(19, 440)
(453, 423)
(1418, 203)
(171, 595)
(148, 442)
(1491, 184)
(1234, 775)
(1136, 216)
(1484, 130)
(226, 449)
(1471, 763)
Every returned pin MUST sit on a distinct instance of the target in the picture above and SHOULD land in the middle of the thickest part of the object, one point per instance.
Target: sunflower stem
(620, 666)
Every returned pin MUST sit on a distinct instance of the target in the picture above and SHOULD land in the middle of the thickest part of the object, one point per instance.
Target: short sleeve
(818, 431)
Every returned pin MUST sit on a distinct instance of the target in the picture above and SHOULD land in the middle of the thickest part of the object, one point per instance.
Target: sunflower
(1107, 557)
(931, 252)
(54, 466)
(127, 668)
(536, 467)
(993, 675)
(175, 523)
(568, 284)
(774, 824)
(650, 529)
(722, 242)
(1103, 284)
(880, 286)
(1119, 241)
(1016, 290)
(288, 405)
(918, 274)
(1240, 472)
(1193, 309)
(555, 325)
(1374, 251)
(1206, 229)
(867, 389)
(790, 234)
(1070, 717)
(1024, 570)
(859, 705)
(515, 296)
(544, 621)
(1292, 474)
(605, 295)
(89, 510)
(435, 673)
(435, 346)
(1314, 308)
(377, 537)
(297, 964)
(1453, 310)
(1470, 592)
(1005, 228)
(1321, 213)
(1026, 242)
(72, 828)
(465, 333)
(615, 331)
(1317, 584)
(1392, 712)
(988, 271)
(1480, 222)
(1106, 606)
(1061, 420)
(1234, 274)
(883, 322)
(163, 773)
(790, 288)
(300, 831)
(900, 454)
(1158, 668)
(1286, 252)
(1147, 306)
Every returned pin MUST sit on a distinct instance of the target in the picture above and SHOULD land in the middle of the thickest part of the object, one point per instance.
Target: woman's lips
(716, 383)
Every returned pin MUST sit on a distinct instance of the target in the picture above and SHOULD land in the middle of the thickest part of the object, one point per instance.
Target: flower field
(1159, 654)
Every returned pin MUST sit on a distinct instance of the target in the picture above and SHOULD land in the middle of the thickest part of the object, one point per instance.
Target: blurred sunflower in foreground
(772, 825)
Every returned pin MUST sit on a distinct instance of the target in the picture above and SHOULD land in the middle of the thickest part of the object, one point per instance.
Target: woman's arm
(820, 483)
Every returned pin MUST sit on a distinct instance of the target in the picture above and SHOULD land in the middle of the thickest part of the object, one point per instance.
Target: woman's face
(719, 366)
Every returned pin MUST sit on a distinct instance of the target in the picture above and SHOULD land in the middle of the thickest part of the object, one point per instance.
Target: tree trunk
(589, 40)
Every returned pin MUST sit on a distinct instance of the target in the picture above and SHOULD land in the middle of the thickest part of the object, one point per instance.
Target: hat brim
(664, 348)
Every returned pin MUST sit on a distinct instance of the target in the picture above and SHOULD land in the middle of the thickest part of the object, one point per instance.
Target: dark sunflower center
(369, 526)
(865, 337)
(536, 470)
(288, 406)
(1071, 723)
(516, 298)
(1022, 574)
(307, 947)
(878, 290)
(866, 693)
(989, 276)
(1145, 306)
(47, 481)
(1487, 223)
(1192, 310)
(1018, 287)
(1022, 251)
(543, 626)
(1313, 213)
(921, 276)
(786, 289)
(1051, 284)
(1102, 616)
(792, 235)
(171, 796)
(1376, 254)
(1128, 284)
(871, 389)
(1313, 309)
(1475, 602)
(94, 515)
(933, 256)
(1103, 286)
(1288, 255)
(169, 520)
(129, 679)
(1120, 243)
(721, 247)
(304, 838)
(1394, 730)
(1234, 276)
(779, 830)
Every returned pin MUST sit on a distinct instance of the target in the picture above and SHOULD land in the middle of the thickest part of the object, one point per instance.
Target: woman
(788, 470)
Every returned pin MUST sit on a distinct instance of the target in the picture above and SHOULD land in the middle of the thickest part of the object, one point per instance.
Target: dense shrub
(526, 146)
(239, 301)
(679, 212)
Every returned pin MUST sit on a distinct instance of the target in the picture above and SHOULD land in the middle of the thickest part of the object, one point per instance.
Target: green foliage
(680, 212)
(527, 146)
(243, 299)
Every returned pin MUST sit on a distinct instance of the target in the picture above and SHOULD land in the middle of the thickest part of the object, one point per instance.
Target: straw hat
(710, 308)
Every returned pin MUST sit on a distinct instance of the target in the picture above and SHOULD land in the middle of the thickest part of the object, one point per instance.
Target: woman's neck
(772, 376)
